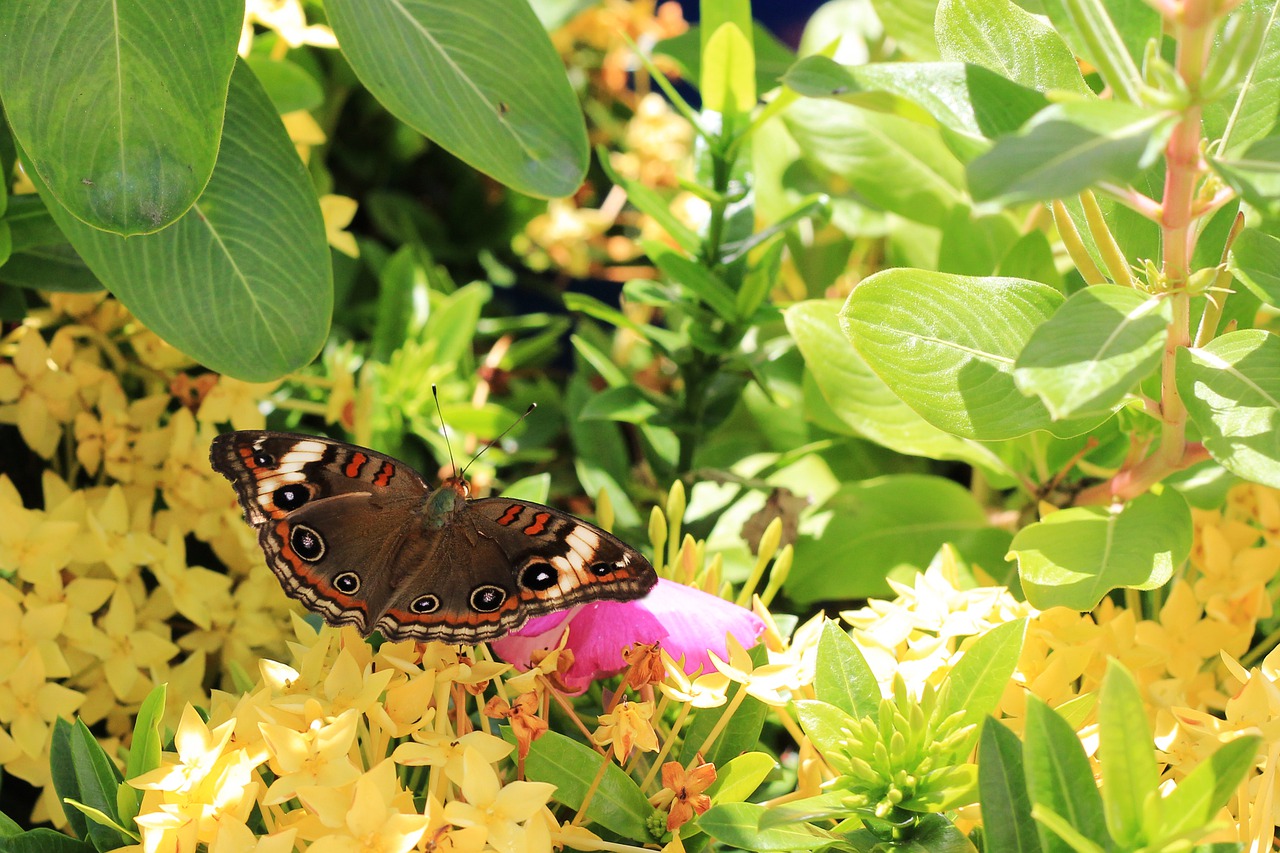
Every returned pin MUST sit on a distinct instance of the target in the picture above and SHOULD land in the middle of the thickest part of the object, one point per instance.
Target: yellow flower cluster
(100, 599)
(308, 747)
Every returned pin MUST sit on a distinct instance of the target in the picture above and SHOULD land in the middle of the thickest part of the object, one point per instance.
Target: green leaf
(9, 827)
(702, 282)
(97, 780)
(728, 83)
(289, 87)
(1255, 261)
(144, 752)
(536, 488)
(738, 825)
(851, 542)
(739, 778)
(967, 99)
(1249, 110)
(1067, 148)
(739, 735)
(1206, 789)
(893, 162)
(979, 680)
(1255, 174)
(933, 834)
(861, 399)
(242, 282)
(1129, 773)
(452, 324)
(973, 244)
(1076, 556)
(1059, 777)
(66, 781)
(627, 404)
(1136, 22)
(824, 724)
(1231, 388)
(1002, 792)
(1094, 350)
(618, 805)
(44, 840)
(104, 820)
(1101, 43)
(946, 344)
(842, 676)
(444, 67)
(910, 23)
(1014, 43)
(119, 106)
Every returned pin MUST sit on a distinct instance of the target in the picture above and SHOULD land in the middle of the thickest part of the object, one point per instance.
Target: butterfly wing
(332, 518)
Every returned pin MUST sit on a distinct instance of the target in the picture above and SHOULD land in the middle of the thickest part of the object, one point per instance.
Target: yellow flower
(27, 626)
(197, 593)
(338, 211)
(29, 704)
(237, 403)
(627, 728)
(705, 691)
(438, 749)
(199, 749)
(32, 543)
(377, 815)
(169, 830)
(318, 757)
(235, 837)
(1187, 639)
(505, 812)
(405, 709)
(768, 683)
(125, 648)
(289, 20)
(122, 544)
(37, 391)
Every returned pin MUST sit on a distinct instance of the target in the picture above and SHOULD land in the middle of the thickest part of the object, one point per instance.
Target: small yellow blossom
(439, 749)
(29, 704)
(338, 211)
(198, 750)
(506, 812)
(768, 683)
(685, 791)
(376, 815)
(37, 392)
(704, 691)
(628, 727)
(318, 757)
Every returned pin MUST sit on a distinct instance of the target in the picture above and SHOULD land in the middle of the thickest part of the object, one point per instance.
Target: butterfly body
(361, 539)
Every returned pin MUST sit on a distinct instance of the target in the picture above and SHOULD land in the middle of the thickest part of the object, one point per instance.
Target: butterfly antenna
(453, 466)
(494, 441)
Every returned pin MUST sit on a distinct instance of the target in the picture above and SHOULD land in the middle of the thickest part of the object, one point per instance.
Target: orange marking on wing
(246, 454)
(384, 476)
(311, 578)
(539, 524)
(512, 513)
(357, 462)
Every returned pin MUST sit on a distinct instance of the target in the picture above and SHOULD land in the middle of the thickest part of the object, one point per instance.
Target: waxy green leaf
(119, 106)
(1075, 556)
(1231, 388)
(1002, 36)
(1059, 778)
(1094, 350)
(1002, 792)
(480, 77)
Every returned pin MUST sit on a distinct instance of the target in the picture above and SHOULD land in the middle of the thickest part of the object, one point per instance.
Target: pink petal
(687, 621)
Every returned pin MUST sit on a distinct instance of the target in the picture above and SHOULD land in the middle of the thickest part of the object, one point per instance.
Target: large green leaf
(1255, 174)
(1069, 147)
(910, 24)
(44, 840)
(1129, 774)
(1059, 778)
(242, 281)
(842, 676)
(1231, 388)
(738, 825)
(1206, 789)
(480, 77)
(968, 99)
(866, 529)
(1075, 556)
(618, 804)
(740, 734)
(979, 680)
(119, 104)
(1255, 260)
(892, 162)
(1001, 36)
(946, 344)
(861, 399)
(1094, 350)
(1249, 110)
(1002, 792)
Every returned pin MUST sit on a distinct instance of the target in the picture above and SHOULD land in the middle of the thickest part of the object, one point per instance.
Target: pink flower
(686, 621)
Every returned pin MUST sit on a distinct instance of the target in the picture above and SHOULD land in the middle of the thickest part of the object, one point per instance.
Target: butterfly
(361, 539)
